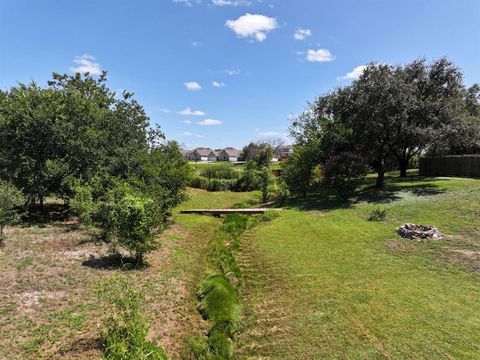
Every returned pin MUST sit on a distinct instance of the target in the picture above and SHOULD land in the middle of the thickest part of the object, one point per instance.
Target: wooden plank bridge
(225, 211)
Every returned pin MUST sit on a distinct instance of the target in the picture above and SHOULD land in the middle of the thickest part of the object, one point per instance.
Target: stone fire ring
(419, 232)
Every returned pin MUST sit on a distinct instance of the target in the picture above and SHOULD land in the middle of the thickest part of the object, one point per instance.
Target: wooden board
(225, 211)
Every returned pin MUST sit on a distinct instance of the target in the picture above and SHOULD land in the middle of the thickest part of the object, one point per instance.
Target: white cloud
(231, 72)
(196, 43)
(252, 25)
(164, 110)
(188, 133)
(193, 86)
(302, 34)
(185, 2)
(86, 63)
(320, 55)
(230, 2)
(354, 74)
(210, 122)
(186, 122)
(218, 84)
(189, 112)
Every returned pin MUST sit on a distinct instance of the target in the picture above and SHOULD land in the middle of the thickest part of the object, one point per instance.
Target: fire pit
(419, 232)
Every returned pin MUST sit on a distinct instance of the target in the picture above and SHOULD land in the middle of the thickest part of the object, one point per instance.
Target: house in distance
(228, 154)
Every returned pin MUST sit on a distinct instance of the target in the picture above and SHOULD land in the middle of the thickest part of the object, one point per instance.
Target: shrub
(11, 199)
(130, 220)
(213, 184)
(283, 193)
(82, 204)
(269, 216)
(220, 171)
(250, 179)
(378, 214)
(344, 173)
(125, 337)
(235, 224)
(265, 178)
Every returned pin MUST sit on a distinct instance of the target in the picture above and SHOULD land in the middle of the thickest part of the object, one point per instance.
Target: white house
(202, 154)
(229, 154)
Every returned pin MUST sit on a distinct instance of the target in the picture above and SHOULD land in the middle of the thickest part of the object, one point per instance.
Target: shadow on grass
(324, 199)
(50, 212)
(113, 262)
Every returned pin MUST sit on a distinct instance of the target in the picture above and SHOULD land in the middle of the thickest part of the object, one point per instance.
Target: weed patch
(125, 337)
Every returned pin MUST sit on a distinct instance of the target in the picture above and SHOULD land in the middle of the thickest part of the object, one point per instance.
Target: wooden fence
(451, 165)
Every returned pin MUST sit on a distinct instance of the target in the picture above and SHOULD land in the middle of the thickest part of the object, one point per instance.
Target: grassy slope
(350, 288)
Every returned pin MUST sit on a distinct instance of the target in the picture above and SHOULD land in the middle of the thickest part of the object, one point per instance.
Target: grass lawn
(323, 282)
(320, 281)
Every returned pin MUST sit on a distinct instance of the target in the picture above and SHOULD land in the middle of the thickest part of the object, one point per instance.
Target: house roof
(202, 151)
(230, 151)
(185, 152)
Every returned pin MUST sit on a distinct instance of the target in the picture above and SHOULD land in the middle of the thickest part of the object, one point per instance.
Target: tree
(259, 151)
(392, 112)
(344, 173)
(74, 129)
(11, 199)
(298, 171)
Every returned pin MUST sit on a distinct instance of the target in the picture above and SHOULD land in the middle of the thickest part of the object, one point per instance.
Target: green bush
(220, 171)
(213, 184)
(125, 337)
(269, 216)
(82, 204)
(11, 199)
(130, 219)
(283, 192)
(378, 214)
(251, 179)
(265, 179)
(344, 173)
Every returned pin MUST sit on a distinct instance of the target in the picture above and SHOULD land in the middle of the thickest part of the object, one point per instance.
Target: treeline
(77, 140)
(383, 121)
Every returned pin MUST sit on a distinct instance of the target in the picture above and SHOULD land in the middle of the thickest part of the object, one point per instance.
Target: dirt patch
(468, 260)
(318, 212)
(399, 246)
(27, 301)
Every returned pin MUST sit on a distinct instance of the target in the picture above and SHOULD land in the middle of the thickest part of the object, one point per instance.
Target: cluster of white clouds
(254, 27)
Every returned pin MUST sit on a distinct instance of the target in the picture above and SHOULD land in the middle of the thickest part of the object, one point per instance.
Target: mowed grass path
(323, 282)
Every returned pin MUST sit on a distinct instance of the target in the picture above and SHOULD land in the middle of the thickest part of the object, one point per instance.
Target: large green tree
(76, 128)
(394, 113)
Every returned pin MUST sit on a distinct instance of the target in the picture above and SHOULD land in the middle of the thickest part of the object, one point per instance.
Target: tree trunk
(381, 173)
(403, 167)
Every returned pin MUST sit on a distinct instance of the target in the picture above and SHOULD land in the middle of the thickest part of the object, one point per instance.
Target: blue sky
(267, 58)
